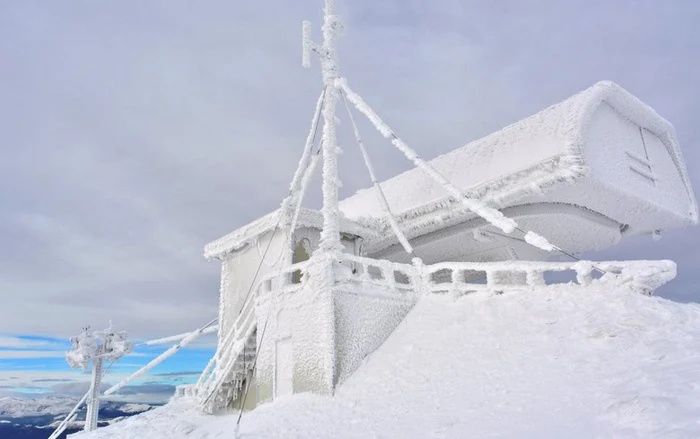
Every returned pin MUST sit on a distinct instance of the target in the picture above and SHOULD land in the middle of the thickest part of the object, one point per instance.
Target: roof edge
(307, 218)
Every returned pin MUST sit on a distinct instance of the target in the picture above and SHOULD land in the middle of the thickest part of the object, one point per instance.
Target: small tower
(96, 347)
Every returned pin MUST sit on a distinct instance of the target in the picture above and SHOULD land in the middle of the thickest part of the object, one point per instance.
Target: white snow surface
(545, 363)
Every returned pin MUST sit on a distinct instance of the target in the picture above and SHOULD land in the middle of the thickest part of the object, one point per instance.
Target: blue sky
(134, 132)
(34, 365)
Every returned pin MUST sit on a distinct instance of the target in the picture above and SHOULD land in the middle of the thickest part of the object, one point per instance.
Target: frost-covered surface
(559, 129)
(537, 364)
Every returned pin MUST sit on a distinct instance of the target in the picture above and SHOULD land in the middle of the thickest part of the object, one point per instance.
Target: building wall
(238, 274)
(633, 170)
(305, 320)
(364, 319)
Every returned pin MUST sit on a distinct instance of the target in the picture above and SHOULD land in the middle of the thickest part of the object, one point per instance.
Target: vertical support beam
(93, 400)
(330, 235)
(418, 280)
(535, 278)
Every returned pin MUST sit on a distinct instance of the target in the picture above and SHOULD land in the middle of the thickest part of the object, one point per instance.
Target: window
(301, 253)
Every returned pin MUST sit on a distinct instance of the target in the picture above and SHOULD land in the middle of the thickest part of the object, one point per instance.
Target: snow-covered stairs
(230, 377)
(224, 378)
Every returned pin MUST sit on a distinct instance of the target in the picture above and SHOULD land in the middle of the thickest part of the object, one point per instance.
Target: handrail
(177, 337)
(646, 274)
(407, 280)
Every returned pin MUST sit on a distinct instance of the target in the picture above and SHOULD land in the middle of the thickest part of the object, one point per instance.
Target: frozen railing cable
(173, 338)
(380, 193)
(159, 359)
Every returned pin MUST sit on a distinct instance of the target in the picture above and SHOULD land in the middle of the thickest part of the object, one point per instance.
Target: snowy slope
(541, 364)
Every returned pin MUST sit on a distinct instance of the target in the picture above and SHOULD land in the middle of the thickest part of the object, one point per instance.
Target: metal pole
(330, 235)
(93, 401)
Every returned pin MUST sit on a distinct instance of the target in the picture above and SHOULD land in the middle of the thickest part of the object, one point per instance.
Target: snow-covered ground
(540, 364)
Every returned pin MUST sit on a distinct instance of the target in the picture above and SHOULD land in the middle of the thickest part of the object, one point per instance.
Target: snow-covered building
(307, 296)
(586, 172)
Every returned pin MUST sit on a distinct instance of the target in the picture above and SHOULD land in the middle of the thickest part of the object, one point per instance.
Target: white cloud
(8, 341)
(14, 355)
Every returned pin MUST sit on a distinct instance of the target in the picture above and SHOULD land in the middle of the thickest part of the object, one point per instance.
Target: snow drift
(537, 364)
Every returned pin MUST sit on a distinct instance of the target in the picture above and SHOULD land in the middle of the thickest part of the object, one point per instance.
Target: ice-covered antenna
(306, 44)
(330, 233)
(334, 85)
(96, 347)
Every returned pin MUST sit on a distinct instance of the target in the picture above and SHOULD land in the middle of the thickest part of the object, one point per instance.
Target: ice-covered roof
(529, 155)
(307, 218)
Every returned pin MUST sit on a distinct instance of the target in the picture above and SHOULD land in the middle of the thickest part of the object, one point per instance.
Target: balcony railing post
(583, 273)
(535, 278)
(418, 276)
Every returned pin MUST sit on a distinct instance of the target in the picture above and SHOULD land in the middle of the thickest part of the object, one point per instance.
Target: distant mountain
(36, 418)
(11, 407)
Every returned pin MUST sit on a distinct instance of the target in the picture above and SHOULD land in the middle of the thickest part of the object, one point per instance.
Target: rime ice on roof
(301, 313)
(511, 160)
(599, 149)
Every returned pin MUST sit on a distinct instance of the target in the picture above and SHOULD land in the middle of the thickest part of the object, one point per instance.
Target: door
(284, 367)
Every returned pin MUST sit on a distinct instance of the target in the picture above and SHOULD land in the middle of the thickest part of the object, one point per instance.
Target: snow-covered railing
(398, 278)
(223, 363)
(287, 280)
(177, 337)
(465, 277)
(347, 268)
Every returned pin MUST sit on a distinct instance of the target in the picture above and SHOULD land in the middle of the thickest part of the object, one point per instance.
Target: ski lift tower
(96, 347)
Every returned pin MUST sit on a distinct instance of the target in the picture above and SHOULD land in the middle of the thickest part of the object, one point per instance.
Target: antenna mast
(332, 26)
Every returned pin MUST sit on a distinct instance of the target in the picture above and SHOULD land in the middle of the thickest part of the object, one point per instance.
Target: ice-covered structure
(306, 296)
(585, 173)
